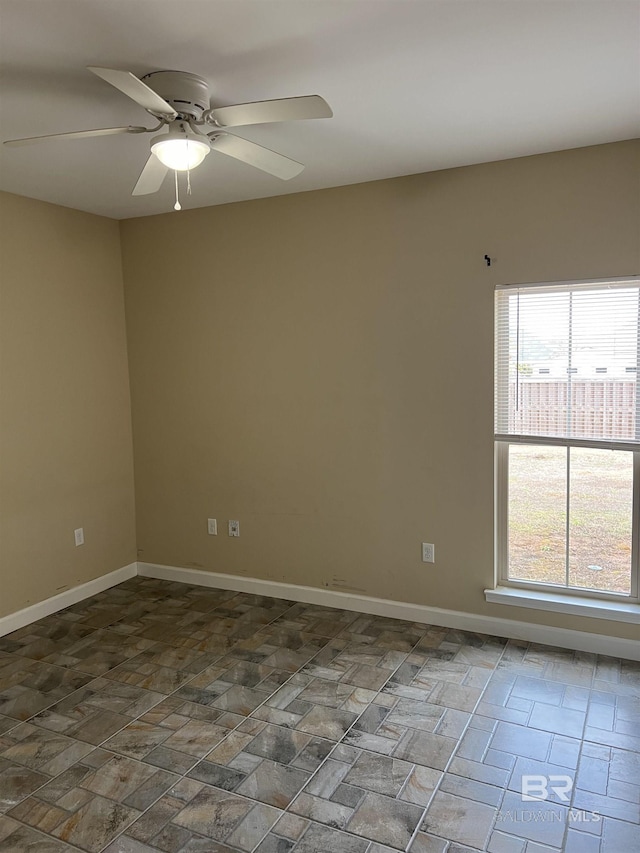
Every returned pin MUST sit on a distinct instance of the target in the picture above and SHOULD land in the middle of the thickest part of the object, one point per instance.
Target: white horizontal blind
(567, 362)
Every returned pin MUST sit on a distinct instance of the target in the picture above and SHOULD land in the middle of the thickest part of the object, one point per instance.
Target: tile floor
(158, 716)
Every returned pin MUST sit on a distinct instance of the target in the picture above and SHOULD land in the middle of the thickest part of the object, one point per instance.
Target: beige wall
(320, 367)
(65, 423)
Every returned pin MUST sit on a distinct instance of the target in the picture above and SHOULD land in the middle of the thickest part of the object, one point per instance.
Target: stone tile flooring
(158, 717)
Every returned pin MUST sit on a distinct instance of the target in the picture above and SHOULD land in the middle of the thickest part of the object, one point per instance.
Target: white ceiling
(415, 85)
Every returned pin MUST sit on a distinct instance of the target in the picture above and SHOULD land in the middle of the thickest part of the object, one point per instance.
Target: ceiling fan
(190, 128)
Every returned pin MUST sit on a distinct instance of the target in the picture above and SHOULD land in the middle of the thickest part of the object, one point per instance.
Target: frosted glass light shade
(180, 153)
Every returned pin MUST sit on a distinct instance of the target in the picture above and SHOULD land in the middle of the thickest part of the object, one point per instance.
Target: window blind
(567, 363)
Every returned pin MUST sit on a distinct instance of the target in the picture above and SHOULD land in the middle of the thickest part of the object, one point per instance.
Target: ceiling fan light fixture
(180, 150)
(180, 100)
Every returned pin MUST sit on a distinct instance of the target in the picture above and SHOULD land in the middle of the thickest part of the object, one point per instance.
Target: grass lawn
(600, 516)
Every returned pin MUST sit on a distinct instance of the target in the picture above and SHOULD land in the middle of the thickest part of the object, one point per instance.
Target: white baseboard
(17, 620)
(562, 637)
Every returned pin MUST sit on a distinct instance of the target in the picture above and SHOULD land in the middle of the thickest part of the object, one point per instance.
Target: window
(567, 434)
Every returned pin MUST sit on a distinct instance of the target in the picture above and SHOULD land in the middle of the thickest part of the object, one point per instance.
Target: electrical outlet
(79, 536)
(428, 552)
(212, 527)
(234, 528)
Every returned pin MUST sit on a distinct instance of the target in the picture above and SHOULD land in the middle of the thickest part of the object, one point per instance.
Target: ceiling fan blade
(76, 134)
(256, 155)
(151, 177)
(260, 112)
(130, 85)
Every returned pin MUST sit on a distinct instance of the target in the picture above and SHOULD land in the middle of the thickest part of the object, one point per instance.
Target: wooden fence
(599, 408)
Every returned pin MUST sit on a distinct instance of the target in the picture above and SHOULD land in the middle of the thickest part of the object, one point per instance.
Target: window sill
(616, 611)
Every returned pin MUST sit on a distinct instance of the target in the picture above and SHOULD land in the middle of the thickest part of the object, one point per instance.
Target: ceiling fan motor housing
(187, 93)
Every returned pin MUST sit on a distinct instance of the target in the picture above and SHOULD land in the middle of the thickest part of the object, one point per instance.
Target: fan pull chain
(188, 171)
(177, 205)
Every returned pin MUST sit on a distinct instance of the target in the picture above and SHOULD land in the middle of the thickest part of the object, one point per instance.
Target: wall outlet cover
(428, 552)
